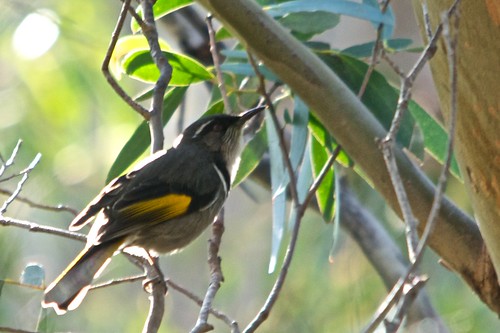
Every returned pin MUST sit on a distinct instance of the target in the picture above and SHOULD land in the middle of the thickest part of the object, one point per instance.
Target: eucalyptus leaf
(185, 70)
(342, 7)
(251, 155)
(326, 190)
(310, 23)
(278, 192)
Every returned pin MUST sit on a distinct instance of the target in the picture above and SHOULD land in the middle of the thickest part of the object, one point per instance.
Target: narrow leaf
(185, 70)
(342, 7)
(251, 155)
(325, 192)
(278, 193)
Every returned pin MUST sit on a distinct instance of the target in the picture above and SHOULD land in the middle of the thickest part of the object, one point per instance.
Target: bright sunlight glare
(36, 34)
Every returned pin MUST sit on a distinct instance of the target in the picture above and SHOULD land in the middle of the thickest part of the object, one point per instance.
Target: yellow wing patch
(159, 209)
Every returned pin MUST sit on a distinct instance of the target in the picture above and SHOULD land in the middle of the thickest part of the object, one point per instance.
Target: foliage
(89, 135)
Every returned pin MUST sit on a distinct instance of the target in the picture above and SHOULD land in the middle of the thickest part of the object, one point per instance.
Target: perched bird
(160, 206)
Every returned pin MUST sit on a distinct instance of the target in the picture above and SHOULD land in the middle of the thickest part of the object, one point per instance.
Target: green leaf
(185, 70)
(130, 44)
(342, 7)
(365, 50)
(310, 23)
(278, 191)
(435, 137)
(251, 155)
(304, 182)
(299, 132)
(216, 108)
(140, 140)
(222, 34)
(160, 9)
(322, 135)
(380, 97)
(326, 190)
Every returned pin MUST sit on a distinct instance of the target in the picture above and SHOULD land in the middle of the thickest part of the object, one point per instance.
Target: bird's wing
(112, 192)
(160, 192)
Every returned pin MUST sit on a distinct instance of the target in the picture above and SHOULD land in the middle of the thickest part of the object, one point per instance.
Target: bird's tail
(69, 289)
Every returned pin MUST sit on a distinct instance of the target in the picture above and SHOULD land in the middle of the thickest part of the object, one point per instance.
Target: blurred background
(54, 98)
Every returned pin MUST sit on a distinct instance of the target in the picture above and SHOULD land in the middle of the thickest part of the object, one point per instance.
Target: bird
(162, 205)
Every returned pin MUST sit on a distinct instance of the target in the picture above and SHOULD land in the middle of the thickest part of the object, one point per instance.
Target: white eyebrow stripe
(201, 128)
(222, 179)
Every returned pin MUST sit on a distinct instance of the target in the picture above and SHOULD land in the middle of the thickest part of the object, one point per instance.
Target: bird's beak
(247, 115)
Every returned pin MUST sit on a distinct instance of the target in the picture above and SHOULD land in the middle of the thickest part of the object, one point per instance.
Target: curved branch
(456, 237)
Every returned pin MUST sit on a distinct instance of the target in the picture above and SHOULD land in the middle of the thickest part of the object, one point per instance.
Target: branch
(216, 276)
(107, 58)
(216, 60)
(34, 227)
(151, 34)
(20, 184)
(31, 203)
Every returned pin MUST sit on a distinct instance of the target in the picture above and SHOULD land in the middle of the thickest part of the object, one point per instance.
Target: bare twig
(378, 47)
(281, 139)
(114, 282)
(34, 227)
(149, 31)
(388, 142)
(417, 247)
(107, 58)
(216, 60)
(156, 299)
(216, 276)
(216, 313)
(10, 161)
(31, 203)
(20, 184)
(427, 21)
(300, 209)
(382, 252)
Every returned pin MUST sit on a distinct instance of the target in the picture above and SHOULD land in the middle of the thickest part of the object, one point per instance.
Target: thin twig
(378, 47)
(216, 59)
(216, 313)
(427, 20)
(114, 282)
(300, 209)
(34, 227)
(107, 58)
(419, 247)
(389, 140)
(31, 203)
(20, 184)
(10, 161)
(149, 31)
(216, 276)
(451, 45)
(281, 139)
(392, 64)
